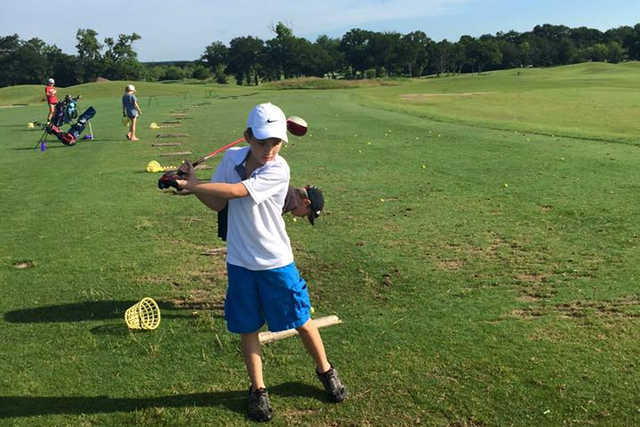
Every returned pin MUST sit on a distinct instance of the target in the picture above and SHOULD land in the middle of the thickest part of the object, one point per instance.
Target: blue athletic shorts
(278, 296)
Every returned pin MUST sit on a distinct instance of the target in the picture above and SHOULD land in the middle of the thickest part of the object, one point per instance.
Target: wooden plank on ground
(171, 135)
(215, 251)
(166, 144)
(321, 322)
(177, 153)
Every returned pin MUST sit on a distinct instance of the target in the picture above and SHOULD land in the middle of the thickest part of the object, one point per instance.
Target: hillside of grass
(34, 94)
(592, 100)
(318, 83)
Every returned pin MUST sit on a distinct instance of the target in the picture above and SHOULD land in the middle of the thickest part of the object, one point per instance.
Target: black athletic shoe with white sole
(259, 405)
(336, 391)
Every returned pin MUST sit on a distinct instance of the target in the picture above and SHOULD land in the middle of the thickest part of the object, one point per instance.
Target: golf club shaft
(231, 144)
(213, 153)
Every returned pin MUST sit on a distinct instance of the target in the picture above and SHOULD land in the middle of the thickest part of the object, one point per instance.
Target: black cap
(317, 201)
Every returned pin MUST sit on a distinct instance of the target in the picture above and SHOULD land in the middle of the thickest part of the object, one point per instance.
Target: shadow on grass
(236, 96)
(55, 144)
(296, 389)
(95, 310)
(101, 139)
(37, 147)
(29, 406)
(236, 401)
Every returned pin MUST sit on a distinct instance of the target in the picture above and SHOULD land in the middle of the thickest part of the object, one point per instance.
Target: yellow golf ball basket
(143, 315)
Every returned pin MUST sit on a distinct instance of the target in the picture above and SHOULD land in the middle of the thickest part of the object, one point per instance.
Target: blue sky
(183, 30)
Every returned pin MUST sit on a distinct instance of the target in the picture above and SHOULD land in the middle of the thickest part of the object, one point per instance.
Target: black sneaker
(332, 384)
(259, 405)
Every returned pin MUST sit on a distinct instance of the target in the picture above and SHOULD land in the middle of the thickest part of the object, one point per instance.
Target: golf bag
(71, 136)
(65, 111)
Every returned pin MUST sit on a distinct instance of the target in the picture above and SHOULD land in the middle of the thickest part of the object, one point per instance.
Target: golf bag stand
(57, 120)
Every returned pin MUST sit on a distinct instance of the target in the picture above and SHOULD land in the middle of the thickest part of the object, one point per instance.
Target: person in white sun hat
(264, 284)
(131, 110)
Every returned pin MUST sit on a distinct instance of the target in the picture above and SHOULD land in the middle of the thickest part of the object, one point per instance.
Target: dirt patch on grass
(527, 313)
(532, 277)
(199, 299)
(527, 298)
(470, 422)
(451, 265)
(493, 249)
(212, 278)
(296, 413)
(539, 291)
(624, 308)
(427, 96)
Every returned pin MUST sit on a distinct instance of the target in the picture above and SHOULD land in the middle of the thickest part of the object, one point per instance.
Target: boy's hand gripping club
(169, 179)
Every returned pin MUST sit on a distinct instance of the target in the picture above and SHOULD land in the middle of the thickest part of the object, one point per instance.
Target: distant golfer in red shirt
(52, 99)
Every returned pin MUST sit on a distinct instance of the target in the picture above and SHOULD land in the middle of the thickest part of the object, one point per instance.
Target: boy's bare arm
(215, 203)
(220, 190)
(213, 194)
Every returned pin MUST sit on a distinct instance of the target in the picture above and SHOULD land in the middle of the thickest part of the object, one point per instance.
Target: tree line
(357, 54)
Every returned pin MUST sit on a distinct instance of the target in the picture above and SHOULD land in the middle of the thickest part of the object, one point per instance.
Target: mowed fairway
(594, 100)
(484, 276)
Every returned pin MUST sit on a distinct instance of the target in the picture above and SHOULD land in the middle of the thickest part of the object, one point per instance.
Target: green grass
(595, 100)
(318, 83)
(484, 276)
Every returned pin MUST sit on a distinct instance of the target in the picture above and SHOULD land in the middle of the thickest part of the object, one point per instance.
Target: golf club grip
(213, 153)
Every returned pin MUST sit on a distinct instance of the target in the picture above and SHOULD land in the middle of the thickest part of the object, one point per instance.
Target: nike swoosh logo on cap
(271, 121)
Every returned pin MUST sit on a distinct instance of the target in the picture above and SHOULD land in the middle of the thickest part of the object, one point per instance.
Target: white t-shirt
(256, 235)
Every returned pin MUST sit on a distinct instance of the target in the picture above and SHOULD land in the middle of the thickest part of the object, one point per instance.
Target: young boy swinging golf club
(264, 283)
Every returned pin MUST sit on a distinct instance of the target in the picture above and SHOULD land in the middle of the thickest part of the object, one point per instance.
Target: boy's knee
(306, 328)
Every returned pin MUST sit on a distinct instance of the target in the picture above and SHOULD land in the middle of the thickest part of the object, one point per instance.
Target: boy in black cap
(306, 201)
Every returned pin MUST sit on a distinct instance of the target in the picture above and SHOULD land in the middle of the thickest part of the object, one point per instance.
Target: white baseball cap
(131, 88)
(268, 121)
(51, 81)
